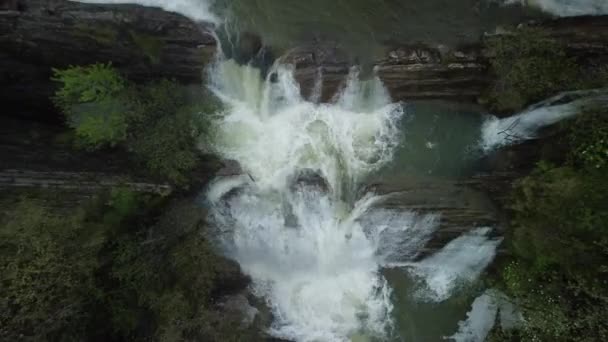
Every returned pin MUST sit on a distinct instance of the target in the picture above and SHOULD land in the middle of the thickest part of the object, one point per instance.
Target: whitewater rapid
(564, 8)
(497, 132)
(297, 221)
(291, 225)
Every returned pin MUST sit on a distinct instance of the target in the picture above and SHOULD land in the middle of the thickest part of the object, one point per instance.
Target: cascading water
(525, 125)
(298, 222)
(565, 8)
(292, 225)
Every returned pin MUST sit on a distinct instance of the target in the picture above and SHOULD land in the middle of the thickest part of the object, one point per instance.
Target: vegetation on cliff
(123, 267)
(529, 66)
(557, 274)
(159, 122)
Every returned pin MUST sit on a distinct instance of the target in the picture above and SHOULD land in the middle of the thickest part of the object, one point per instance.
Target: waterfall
(564, 8)
(292, 226)
(525, 125)
(489, 308)
(297, 222)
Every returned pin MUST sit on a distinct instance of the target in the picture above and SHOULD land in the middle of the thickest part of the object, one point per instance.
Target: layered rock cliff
(144, 43)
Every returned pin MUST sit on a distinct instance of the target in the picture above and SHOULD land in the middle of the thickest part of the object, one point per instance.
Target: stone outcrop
(144, 43)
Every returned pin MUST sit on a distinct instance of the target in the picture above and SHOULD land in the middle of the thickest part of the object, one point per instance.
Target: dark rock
(143, 43)
(230, 280)
(308, 179)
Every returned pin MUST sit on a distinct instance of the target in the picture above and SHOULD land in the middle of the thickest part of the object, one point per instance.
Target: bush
(559, 241)
(160, 122)
(173, 275)
(47, 268)
(559, 244)
(114, 270)
(165, 129)
(529, 66)
(90, 98)
(589, 139)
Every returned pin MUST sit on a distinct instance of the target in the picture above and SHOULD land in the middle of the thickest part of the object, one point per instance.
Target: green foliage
(90, 98)
(166, 126)
(112, 270)
(529, 67)
(159, 122)
(559, 243)
(46, 267)
(173, 274)
(589, 139)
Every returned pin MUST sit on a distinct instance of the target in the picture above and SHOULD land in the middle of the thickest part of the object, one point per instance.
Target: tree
(159, 122)
(91, 99)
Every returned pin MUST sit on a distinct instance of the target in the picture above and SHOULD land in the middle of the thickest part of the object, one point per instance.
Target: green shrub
(90, 98)
(171, 273)
(559, 246)
(559, 242)
(529, 66)
(589, 139)
(111, 270)
(166, 125)
(47, 265)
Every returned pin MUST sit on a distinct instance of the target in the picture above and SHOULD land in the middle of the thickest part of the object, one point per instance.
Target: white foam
(198, 10)
(459, 262)
(514, 129)
(565, 8)
(272, 131)
(480, 320)
(304, 247)
(486, 309)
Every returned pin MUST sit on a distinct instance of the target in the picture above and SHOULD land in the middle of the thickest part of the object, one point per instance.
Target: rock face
(144, 43)
(422, 71)
(410, 72)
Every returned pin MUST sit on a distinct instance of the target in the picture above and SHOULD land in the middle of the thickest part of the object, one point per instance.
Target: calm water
(439, 139)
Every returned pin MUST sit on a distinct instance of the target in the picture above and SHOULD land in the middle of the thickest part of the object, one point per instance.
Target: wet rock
(462, 207)
(230, 167)
(232, 280)
(238, 306)
(308, 179)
